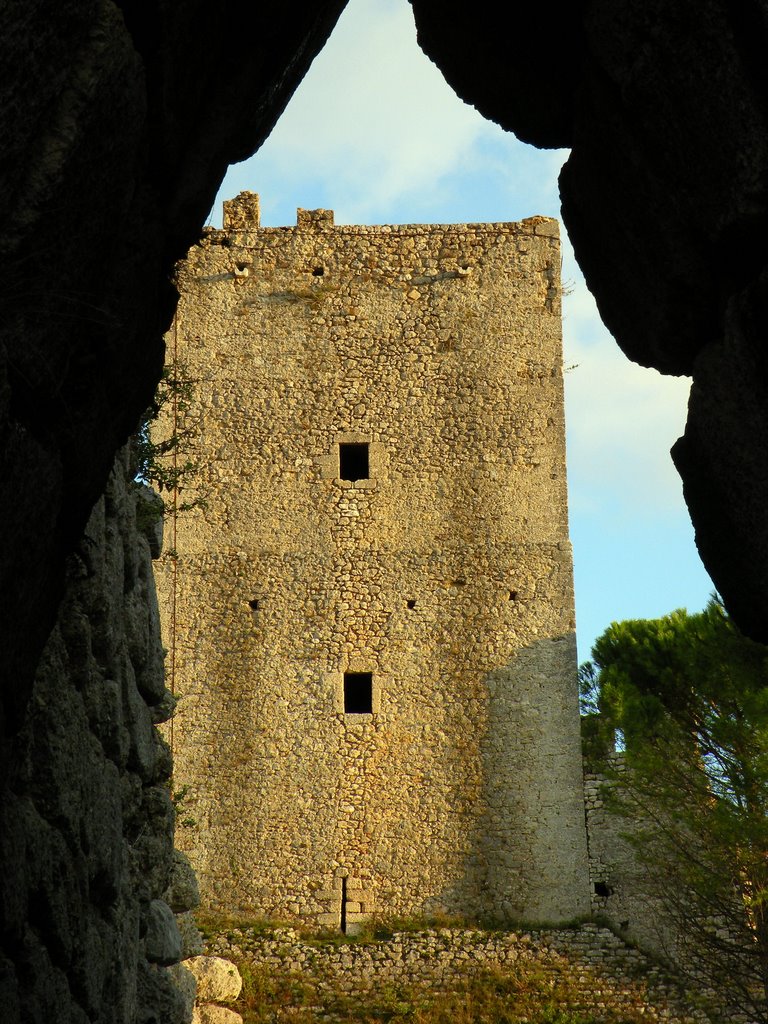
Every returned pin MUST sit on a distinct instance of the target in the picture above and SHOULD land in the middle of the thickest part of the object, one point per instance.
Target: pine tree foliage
(688, 696)
(162, 457)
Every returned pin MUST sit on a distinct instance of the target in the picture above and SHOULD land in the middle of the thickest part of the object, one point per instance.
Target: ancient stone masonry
(370, 623)
(119, 121)
(600, 977)
(621, 894)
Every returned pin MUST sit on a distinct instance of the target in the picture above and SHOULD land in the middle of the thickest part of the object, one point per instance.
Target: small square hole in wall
(353, 461)
(358, 693)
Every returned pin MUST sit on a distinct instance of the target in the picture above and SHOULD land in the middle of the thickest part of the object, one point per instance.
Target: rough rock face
(118, 121)
(665, 197)
(86, 825)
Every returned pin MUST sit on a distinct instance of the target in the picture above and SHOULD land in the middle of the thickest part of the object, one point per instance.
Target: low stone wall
(623, 893)
(606, 977)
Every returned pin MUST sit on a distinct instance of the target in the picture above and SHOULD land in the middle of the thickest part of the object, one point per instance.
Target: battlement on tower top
(243, 213)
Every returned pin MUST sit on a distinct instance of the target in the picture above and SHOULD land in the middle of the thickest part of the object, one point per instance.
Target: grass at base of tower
(484, 997)
(407, 971)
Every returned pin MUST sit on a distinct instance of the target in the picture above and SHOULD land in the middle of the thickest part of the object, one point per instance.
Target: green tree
(688, 695)
(161, 460)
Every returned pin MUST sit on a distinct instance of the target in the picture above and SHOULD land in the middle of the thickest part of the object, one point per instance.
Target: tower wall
(443, 573)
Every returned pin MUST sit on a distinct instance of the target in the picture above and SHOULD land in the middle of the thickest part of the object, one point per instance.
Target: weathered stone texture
(621, 894)
(218, 980)
(445, 572)
(118, 121)
(87, 823)
(209, 1013)
(607, 979)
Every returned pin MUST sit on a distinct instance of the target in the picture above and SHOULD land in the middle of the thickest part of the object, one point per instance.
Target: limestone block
(328, 894)
(149, 517)
(186, 984)
(164, 708)
(242, 213)
(153, 849)
(314, 220)
(162, 941)
(210, 1014)
(182, 893)
(159, 995)
(217, 978)
(547, 228)
(142, 623)
(359, 895)
(191, 939)
(144, 741)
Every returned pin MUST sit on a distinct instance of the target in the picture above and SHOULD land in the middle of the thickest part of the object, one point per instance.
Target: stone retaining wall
(608, 977)
(621, 893)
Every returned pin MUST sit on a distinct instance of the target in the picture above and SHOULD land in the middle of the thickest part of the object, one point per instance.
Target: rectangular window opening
(353, 461)
(358, 693)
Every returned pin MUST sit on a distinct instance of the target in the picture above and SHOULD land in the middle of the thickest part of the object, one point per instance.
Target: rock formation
(86, 821)
(118, 122)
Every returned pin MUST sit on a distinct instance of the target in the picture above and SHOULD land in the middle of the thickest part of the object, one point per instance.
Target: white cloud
(622, 418)
(374, 132)
(373, 118)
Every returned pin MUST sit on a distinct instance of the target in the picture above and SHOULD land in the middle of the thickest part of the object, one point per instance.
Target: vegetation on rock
(488, 997)
(162, 462)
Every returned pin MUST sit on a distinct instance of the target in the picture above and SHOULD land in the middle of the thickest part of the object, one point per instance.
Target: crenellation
(314, 220)
(378, 427)
(243, 213)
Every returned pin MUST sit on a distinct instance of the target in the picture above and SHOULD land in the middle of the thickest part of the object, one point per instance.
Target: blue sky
(375, 134)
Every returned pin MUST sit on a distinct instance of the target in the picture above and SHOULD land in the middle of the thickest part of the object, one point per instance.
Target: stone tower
(370, 624)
